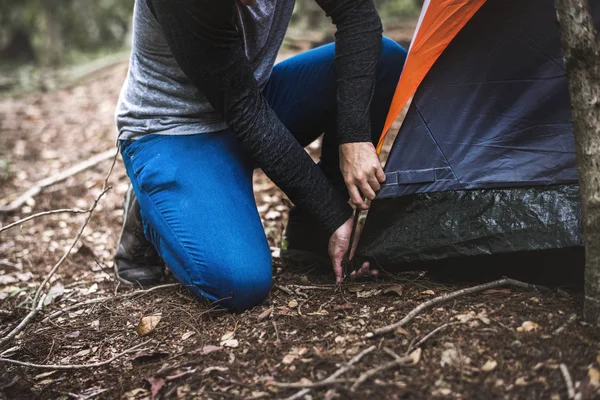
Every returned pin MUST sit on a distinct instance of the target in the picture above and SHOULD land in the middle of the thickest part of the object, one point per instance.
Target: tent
(484, 162)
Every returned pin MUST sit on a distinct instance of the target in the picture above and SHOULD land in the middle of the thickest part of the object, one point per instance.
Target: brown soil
(310, 331)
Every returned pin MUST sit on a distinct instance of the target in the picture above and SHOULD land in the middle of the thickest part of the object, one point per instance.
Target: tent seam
(436, 143)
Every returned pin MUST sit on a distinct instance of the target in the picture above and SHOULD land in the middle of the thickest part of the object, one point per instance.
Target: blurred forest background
(42, 41)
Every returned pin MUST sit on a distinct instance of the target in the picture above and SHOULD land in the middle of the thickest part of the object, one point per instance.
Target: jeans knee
(246, 290)
(392, 54)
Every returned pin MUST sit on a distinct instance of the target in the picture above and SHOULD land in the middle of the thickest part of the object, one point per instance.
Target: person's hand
(362, 171)
(338, 246)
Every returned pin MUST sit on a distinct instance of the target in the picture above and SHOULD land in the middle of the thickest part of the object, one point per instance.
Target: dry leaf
(265, 314)
(402, 331)
(346, 306)
(293, 303)
(453, 357)
(207, 350)
(135, 394)
(463, 318)
(258, 395)
(322, 312)
(594, 376)
(272, 214)
(427, 293)
(55, 291)
(489, 365)
(82, 353)
(295, 353)
(521, 381)
(147, 324)
(187, 335)
(233, 343)
(44, 375)
(227, 336)
(415, 356)
(208, 370)
(155, 385)
(528, 326)
(368, 293)
(355, 289)
(394, 290)
(93, 289)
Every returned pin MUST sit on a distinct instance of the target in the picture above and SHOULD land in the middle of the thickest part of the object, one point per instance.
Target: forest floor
(500, 343)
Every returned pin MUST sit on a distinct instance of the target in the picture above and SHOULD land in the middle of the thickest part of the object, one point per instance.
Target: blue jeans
(195, 191)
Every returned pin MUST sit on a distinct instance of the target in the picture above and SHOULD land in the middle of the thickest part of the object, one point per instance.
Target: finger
(362, 271)
(374, 183)
(366, 190)
(357, 198)
(338, 270)
(380, 175)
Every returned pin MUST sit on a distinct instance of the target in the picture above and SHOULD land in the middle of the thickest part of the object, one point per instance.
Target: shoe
(136, 262)
(304, 243)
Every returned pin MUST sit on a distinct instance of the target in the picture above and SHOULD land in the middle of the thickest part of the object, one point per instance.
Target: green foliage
(56, 29)
(392, 10)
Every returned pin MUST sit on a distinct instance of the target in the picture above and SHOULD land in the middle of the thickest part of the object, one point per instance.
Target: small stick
(37, 306)
(286, 290)
(561, 328)
(42, 214)
(107, 298)
(314, 385)
(568, 381)
(392, 354)
(336, 374)
(374, 371)
(430, 334)
(313, 287)
(39, 186)
(445, 297)
(72, 366)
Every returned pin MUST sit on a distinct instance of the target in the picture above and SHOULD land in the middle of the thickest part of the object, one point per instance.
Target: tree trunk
(54, 47)
(582, 61)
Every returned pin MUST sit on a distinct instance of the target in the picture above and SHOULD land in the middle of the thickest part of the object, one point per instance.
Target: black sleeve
(357, 47)
(208, 48)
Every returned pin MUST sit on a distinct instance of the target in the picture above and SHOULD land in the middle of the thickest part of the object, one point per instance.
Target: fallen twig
(568, 381)
(108, 298)
(374, 371)
(42, 214)
(37, 304)
(398, 361)
(332, 378)
(430, 334)
(72, 366)
(284, 289)
(445, 297)
(39, 186)
(561, 328)
(312, 385)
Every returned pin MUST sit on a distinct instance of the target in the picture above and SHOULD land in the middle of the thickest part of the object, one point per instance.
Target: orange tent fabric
(439, 23)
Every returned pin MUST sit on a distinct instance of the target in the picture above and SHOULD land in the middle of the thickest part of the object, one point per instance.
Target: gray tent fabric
(493, 111)
(484, 162)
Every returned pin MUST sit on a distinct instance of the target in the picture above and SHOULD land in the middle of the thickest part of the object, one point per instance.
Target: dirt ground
(500, 343)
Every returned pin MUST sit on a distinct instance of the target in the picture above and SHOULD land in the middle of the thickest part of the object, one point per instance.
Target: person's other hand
(362, 171)
(338, 246)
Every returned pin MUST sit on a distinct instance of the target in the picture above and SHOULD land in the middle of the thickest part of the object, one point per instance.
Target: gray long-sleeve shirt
(199, 66)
